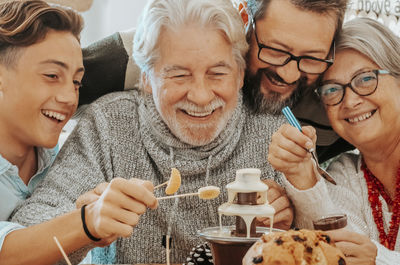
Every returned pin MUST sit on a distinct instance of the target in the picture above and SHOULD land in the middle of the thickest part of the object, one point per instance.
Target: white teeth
(195, 110)
(360, 118)
(54, 115)
(198, 114)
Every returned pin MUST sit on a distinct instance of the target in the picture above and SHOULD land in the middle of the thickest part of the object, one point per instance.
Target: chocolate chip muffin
(294, 248)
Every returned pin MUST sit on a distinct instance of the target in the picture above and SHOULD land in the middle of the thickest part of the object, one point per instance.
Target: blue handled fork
(293, 121)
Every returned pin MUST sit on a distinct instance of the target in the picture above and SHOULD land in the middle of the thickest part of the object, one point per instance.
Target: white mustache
(191, 107)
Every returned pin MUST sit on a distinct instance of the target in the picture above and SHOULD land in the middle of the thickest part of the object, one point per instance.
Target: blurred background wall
(108, 16)
(385, 11)
(104, 17)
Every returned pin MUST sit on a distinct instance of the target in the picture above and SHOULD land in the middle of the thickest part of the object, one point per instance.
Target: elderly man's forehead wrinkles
(172, 68)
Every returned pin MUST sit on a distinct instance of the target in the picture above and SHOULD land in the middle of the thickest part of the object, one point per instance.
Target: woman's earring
(1, 94)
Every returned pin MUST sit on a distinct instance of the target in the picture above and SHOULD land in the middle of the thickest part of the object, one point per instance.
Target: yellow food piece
(174, 182)
(209, 192)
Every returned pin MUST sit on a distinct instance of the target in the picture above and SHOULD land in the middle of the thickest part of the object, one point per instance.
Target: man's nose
(200, 93)
(289, 72)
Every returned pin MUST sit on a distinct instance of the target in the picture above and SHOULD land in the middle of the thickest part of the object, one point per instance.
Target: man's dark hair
(258, 8)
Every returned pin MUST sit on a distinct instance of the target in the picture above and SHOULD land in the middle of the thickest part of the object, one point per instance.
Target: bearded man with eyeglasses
(291, 44)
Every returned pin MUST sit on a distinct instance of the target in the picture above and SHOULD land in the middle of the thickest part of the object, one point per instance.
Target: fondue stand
(247, 199)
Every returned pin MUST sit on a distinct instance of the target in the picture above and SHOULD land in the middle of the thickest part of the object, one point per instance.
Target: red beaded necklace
(375, 188)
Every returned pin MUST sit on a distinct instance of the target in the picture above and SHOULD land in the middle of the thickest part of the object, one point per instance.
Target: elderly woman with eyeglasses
(361, 96)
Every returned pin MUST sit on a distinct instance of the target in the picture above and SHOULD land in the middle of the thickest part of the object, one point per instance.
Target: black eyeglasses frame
(292, 57)
(377, 72)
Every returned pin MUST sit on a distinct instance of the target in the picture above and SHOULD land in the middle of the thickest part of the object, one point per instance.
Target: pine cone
(200, 255)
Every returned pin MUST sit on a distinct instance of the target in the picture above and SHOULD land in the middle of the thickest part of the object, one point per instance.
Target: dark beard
(273, 104)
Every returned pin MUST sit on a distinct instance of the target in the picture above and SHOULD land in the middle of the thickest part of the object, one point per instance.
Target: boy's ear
(146, 83)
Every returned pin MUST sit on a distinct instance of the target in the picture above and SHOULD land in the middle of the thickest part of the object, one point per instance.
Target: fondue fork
(293, 121)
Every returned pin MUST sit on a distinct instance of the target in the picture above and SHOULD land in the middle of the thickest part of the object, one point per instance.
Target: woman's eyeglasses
(363, 84)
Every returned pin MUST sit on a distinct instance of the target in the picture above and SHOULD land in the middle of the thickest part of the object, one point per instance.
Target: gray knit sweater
(122, 135)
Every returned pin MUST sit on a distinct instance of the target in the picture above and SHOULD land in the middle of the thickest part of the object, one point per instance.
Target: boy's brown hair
(23, 23)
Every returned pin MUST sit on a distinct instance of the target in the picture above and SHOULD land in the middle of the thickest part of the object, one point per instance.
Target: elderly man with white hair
(187, 114)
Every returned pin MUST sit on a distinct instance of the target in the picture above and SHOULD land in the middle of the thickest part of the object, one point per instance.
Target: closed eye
(219, 73)
(179, 76)
(51, 76)
(78, 84)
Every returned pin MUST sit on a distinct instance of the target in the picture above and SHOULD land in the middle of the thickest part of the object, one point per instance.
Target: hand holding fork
(293, 121)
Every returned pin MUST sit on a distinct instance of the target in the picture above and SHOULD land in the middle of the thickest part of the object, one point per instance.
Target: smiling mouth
(55, 116)
(362, 117)
(272, 77)
(198, 114)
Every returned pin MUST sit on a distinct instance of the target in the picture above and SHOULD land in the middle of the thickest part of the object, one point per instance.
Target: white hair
(374, 40)
(171, 14)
